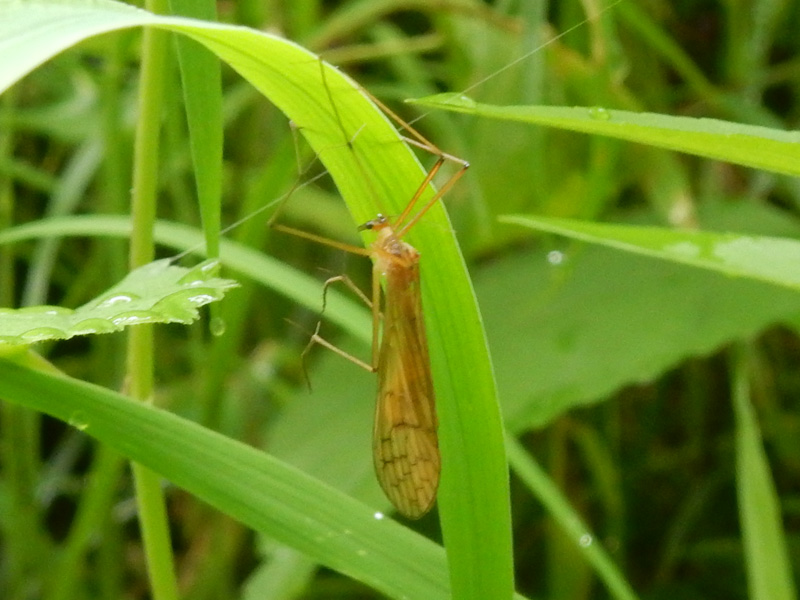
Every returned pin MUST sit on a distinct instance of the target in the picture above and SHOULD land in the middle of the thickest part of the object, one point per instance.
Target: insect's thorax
(393, 254)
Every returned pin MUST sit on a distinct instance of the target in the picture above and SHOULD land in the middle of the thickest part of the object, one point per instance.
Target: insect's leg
(436, 197)
(321, 239)
(317, 339)
(301, 171)
(349, 283)
(298, 184)
(376, 314)
(415, 138)
(373, 304)
(306, 234)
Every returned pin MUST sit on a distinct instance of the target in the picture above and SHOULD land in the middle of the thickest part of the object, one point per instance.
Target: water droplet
(78, 420)
(38, 334)
(132, 318)
(217, 326)
(555, 257)
(116, 299)
(201, 299)
(44, 310)
(586, 540)
(89, 326)
(200, 273)
(378, 516)
(683, 249)
(209, 266)
(464, 100)
(599, 113)
(55, 310)
(361, 552)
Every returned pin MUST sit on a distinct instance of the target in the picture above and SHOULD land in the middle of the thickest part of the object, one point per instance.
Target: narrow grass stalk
(19, 431)
(152, 512)
(769, 571)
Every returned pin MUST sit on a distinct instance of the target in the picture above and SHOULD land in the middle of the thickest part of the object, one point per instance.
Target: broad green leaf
(773, 260)
(749, 145)
(375, 172)
(299, 287)
(159, 292)
(570, 329)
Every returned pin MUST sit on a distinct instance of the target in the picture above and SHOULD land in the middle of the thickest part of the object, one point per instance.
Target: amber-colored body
(405, 444)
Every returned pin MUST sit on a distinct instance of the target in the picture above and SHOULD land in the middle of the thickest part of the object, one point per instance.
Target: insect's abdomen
(406, 449)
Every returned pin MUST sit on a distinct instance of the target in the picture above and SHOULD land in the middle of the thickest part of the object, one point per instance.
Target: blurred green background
(616, 372)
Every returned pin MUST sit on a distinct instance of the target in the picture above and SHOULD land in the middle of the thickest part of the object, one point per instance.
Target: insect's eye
(377, 223)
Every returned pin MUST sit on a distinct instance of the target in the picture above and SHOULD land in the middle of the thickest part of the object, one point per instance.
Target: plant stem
(152, 511)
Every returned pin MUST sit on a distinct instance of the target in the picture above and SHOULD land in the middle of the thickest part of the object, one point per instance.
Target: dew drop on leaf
(599, 113)
(217, 326)
(78, 420)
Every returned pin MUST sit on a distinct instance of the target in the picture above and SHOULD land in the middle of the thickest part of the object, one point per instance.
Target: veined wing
(405, 444)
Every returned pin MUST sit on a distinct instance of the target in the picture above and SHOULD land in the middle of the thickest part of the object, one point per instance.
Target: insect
(405, 443)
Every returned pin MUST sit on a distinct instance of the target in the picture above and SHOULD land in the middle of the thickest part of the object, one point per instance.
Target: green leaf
(600, 320)
(375, 172)
(749, 145)
(202, 85)
(299, 287)
(155, 293)
(773, 260)
(251, 486)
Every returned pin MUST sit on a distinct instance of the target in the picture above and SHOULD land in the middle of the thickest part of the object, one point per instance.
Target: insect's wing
(405, 445)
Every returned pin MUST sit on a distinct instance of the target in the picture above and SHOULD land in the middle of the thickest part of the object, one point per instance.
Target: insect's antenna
(422, 142)
(417, 139)
(333, 105)
(541, 46)
(298, 185)
(528, 54)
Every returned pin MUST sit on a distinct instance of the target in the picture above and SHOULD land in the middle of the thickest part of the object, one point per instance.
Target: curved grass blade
(473, 500)
(247, 484)
(749, 145)
(769, 569)
(761, 258)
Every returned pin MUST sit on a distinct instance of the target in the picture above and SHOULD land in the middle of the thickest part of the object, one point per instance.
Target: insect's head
(379, 222)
